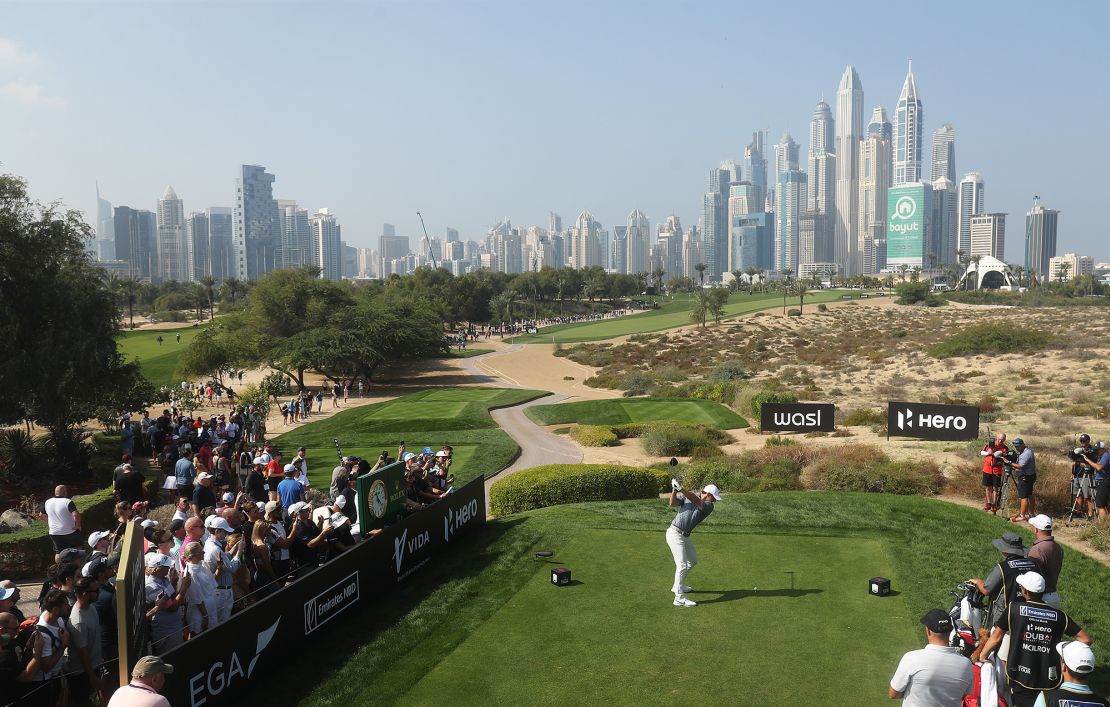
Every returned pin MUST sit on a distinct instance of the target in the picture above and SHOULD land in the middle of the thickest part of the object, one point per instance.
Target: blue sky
(474, 111)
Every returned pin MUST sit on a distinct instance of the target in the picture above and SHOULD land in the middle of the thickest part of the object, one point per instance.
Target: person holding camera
(1082, 475)
(1025, 474)
(993, 453)
(1102, 477)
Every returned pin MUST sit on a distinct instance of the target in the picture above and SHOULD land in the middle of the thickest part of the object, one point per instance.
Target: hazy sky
(474, 111)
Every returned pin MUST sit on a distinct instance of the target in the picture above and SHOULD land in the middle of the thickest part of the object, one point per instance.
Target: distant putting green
(675, 313)
(448, 416)
(621, 411)
(157, 361)
(482, 624)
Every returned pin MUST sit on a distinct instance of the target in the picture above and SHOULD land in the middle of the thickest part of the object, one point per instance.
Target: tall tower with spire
(849, 132)
(175, 253)
(907, 133)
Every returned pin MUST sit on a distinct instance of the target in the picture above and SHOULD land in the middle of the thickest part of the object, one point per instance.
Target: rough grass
(993, 338)
(617, 412)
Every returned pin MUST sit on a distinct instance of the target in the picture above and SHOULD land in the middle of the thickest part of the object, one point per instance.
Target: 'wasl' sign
(797, 417)
(929, 421)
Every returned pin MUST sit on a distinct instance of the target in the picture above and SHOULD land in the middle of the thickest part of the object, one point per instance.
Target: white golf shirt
(933, 675)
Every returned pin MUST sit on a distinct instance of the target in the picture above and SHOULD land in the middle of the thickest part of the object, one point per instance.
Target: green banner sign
(907, 210)
(381, 497)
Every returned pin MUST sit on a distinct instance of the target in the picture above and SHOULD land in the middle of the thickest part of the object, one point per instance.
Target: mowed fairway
(615, 638)
(621, 411)
(482, 625)
(675, 313)
(434, 418)
(157, 362)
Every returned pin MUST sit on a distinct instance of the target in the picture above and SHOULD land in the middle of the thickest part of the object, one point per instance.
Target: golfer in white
(693, 509)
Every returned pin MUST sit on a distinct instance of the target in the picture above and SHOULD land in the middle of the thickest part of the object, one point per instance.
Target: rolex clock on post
(379, 499)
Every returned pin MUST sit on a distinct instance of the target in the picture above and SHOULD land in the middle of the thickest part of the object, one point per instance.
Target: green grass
(484, 626)
(433, 418)
(675, 313)
(467, 353)
(616, 412)
(157, 362)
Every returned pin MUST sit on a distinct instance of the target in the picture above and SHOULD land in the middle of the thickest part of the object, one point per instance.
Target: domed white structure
(990, 274)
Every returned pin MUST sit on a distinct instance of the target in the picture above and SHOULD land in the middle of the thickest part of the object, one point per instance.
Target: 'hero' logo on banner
(454, 520)
(935, 422)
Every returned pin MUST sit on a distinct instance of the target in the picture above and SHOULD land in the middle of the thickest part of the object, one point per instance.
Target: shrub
(675, 440)
(794, 313)
(902, 478)
(864, 416)
(770, 396)
(727, 371)
(710, 451)
(822, 307)
(639, 429)
(779, 441)
(594, 436)
(555, 484)
(993, 338)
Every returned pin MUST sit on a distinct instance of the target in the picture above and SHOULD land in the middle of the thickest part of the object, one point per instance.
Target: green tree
(718, 298)
(209, 284)
(701, 307)
(801, 290)
(701, 268)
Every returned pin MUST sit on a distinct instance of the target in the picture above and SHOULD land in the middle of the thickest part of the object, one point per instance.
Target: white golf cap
(712, 489)
(228, 497)
(1032, 581)
(217, 523)
(441, 453)
(261, 505)
(340, 502)
(1078, 656)
(157, 559)
(338, 520)
(1041, 522)
(149, 523)
(288, 468)
(203, 476)
(298, 507)
(258, 460)
(98, 537)
(6, 593)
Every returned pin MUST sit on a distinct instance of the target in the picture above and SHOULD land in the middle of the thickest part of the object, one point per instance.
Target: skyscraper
(786, 156)
(585, 243)
(137, 241)
(715, 217)
(907, 133)
(971, 202)
(256, 222)
(790, 205)
(849, 130)
(944, 154)
(390, 247)
(105, 229)
(327, 236)
(820, 187)
(668, 247)
(638, 243)
(554, 223)
(988, 235)
(452, 235)
(297, 245)
(1040, 239)
(197, 231)
(755, 167)
(221, 254)
(874, 180)
(175, 256)
(941, 249)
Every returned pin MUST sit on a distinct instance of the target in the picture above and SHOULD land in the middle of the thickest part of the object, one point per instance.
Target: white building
(326, 237)
(638, 243)
(849, 130)
(971, 201)
(907, 133)
(944, 153)
(988, 235)
(175, 254)
(874, 180)
(821, 184)
(1062, 268)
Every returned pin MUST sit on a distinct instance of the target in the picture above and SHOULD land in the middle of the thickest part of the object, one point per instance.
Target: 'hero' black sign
(797, 417)
(928, 421)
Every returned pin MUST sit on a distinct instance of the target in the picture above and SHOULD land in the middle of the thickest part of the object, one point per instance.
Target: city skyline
(424, 123)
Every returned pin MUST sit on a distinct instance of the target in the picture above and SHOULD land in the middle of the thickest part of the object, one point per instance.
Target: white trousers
(196, 618)
(685, 557)
(224, 600)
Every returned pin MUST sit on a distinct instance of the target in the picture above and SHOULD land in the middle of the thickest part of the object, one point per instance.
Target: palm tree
(751, 273)
(1062, 269)
(129, 286)
(198, 293)
(915, 275)
(736, 279)
(902, 271)
(209, 284)
(701, 306)
(801, 291)
(975, 259)
(657, 275)
(785, 286)
(701, 267)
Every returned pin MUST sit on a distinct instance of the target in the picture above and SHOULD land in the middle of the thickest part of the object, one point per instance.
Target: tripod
(1004, 492)
(1085, 490)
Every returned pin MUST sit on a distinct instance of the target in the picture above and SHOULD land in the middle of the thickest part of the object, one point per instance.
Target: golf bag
(968, 616)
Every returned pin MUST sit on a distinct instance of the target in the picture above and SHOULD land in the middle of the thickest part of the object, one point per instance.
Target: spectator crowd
(245, 523)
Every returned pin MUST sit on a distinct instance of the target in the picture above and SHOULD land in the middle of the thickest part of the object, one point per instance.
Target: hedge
(594, 436)
(555, 484)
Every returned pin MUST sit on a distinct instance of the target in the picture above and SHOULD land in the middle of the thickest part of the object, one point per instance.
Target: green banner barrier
(381, 497)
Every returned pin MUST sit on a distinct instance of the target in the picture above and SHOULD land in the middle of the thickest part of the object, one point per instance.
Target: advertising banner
(222, 665)
(797, 417)
(931, 421)
(381, 497)
(132, 627)
(907, 220)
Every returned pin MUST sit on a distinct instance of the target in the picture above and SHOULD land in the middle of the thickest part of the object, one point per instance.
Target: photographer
(1025, 474)
(1082, 473)
(1102, 478)
(993, 452)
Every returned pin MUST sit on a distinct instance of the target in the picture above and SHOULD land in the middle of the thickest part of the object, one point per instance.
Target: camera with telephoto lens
(1079, 455)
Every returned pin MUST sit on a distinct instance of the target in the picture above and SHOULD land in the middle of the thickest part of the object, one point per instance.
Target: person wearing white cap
(163, 603)
(98, 541)
(1049, 556)
(1078, 663)
(1031, 665)
(223, 564)
(692, 510)
(203, 495)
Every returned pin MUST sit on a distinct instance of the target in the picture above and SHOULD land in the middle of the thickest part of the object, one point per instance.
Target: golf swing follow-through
(694, 507)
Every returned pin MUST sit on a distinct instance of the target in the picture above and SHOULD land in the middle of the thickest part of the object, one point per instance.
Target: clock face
(379, 499)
